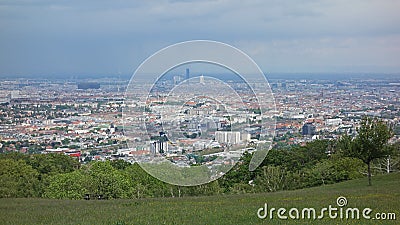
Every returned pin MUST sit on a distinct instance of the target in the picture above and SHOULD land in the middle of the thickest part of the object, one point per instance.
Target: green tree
(143, 184)
(334, 170)
(120, 164)
(66, 186)
(273, 178)
(51, 164)
(239, 174)
(390, 163)
(370, 143)
(211, 188)
(104, 179)
(17, 179)
(297, 157)
(14, 156)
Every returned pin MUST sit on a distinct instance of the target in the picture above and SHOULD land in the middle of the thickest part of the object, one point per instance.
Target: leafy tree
(371, 142)
(66, 186)
(273, 178)
(66, 141)
(104, 179)
(238, 174)
(211, 188)
(120, 164)
(51, 164)
(17, 179)
(334, 170)
(388, 164)
(297, 157)
(241, 188)
(14, 156)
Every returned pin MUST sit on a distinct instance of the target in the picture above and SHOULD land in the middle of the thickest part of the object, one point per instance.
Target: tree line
(317, 163)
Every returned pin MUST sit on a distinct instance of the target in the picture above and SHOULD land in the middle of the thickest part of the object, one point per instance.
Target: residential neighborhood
(85, 119)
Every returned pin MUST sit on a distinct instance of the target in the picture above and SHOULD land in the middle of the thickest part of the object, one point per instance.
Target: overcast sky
(109, 37)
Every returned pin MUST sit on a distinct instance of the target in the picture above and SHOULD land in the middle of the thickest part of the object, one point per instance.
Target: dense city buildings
(83, 118)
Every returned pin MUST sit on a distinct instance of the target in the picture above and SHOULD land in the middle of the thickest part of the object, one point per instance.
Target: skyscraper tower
(187, 74)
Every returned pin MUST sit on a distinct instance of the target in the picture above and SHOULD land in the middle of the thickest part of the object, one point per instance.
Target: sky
(74, 37)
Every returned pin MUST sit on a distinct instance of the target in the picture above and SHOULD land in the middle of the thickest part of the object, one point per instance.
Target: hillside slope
(383, 196)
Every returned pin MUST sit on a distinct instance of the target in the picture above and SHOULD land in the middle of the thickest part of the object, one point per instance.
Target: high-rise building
(308, 129)
(187, 76)
(231, 137)
(158, 147)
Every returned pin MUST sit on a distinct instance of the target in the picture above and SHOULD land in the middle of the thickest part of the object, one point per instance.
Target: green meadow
(382, 196)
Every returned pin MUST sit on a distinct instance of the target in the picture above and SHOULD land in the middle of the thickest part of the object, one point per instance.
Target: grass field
(383, 196)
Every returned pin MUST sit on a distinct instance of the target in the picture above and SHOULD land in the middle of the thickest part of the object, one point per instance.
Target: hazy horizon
(269, 76)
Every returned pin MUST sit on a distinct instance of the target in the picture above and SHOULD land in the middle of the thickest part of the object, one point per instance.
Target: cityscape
(182, 120)
(199, 112)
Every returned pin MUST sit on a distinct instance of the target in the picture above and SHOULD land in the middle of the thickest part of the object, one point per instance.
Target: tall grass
(383, 196)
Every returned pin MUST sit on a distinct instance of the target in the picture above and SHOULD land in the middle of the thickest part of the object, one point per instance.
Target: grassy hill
(383, 196)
